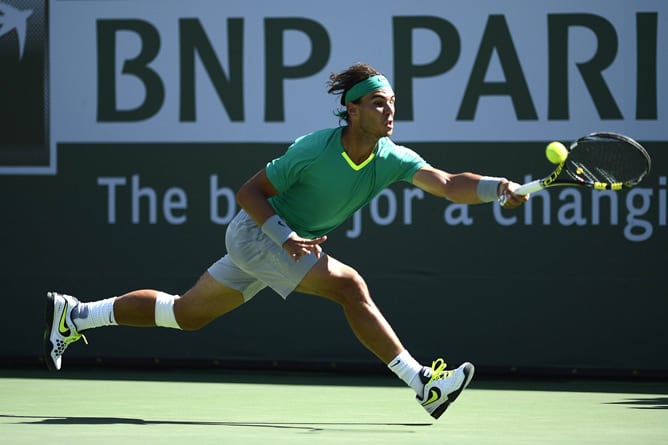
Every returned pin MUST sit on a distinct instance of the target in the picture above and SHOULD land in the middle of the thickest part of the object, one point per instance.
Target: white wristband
(488, 188)
(276, 229)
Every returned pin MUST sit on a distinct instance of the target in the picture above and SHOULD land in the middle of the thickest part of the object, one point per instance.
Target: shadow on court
(649, 403)
(319, 426)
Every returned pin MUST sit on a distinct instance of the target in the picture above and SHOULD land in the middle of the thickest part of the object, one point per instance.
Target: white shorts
(254, 261)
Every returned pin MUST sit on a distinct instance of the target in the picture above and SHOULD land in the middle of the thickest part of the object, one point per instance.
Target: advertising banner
(128, 127)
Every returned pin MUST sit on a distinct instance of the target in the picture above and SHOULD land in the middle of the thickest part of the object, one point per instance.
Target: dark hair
(340, 83)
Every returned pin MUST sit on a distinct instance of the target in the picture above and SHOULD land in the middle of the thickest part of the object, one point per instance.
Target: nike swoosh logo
(434, 394)
(62, 328)
(392, 365)
(281, 223)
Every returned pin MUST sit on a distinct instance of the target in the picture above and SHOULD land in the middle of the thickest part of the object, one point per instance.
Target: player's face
(376, 113)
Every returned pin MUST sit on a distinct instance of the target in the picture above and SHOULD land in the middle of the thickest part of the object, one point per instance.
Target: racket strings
(607, 161)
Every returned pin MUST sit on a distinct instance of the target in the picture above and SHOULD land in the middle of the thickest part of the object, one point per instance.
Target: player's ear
(352, 109)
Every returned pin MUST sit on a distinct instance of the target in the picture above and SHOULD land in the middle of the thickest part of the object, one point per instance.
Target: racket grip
(524, 189)
(530, 187)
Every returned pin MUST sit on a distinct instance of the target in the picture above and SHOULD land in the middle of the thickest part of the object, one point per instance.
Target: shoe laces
(438, 370)
(76, 337)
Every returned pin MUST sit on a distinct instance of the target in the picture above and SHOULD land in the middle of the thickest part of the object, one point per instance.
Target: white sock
(407, 369)
(94, 315)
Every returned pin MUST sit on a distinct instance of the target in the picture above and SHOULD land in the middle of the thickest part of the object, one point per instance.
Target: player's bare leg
(435, 386)
(342, 284)
(204, 302)
(66, 316)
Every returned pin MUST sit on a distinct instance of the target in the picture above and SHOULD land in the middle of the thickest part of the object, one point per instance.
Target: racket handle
(524, 189)
(530, 187)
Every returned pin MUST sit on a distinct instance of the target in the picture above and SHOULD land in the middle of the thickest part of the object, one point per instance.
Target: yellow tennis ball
(556, 152)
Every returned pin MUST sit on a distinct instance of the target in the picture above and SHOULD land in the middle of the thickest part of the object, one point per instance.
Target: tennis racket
(601, 161)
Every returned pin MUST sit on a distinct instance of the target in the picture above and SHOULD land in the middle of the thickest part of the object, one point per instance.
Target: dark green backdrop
(482, 292)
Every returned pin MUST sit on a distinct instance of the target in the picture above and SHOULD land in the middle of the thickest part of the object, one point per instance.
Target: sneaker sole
(48, 327)
(469, 370)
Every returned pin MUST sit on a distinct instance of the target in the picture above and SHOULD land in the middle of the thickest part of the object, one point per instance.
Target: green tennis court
(254, 407)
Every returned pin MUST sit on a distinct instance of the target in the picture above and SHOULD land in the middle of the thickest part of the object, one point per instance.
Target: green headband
(366, 86)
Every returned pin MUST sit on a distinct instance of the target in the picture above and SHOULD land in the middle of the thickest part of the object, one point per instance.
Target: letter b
(107, 108)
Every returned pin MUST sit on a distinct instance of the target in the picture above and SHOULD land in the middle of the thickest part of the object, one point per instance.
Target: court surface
(254, 407)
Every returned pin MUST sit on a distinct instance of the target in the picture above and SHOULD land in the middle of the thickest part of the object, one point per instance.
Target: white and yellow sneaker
(442, 387)
(59, 330)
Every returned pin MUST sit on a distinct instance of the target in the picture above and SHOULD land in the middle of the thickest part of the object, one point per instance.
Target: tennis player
(276, 240)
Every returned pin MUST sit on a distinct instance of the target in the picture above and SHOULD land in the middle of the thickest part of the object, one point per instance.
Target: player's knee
(352, 290)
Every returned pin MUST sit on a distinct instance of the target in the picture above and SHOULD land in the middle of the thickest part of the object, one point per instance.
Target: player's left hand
(297, 246)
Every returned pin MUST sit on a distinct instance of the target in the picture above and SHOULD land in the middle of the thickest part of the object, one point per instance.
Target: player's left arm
(463, 188)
